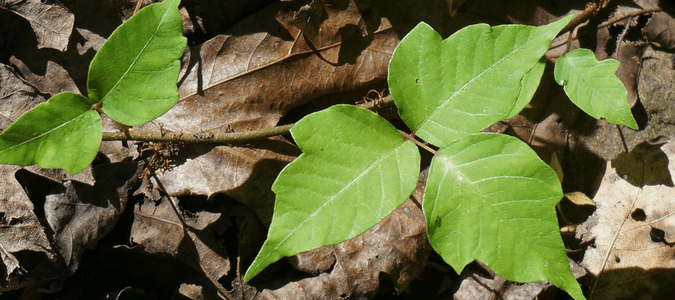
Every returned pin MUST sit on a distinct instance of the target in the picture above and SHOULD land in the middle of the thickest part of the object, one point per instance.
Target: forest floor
(112, 231)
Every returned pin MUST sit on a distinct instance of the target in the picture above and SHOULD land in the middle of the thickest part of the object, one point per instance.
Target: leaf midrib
(45, 133)
(477, 191)
(492, 66)
(336, 195)
(140, 53)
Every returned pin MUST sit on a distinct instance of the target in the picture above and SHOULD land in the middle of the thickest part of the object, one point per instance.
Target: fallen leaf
(160, 231)
(579, 198)
(264, 66)
(243, 173)
(660, 30)
(16, 96)
(51, 22)
(474, 286)
(54, 72)
(632, 229)
(77, 214)
(27, 256)
(397, 246)
(619, 41)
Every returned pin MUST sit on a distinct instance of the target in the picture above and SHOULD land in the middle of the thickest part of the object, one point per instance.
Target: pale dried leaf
(16, 96)
(579, 198)
(476, 287)
(52, 23)
(633, 230)
(25, 250)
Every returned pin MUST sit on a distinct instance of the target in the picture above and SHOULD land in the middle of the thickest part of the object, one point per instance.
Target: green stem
(224, 138)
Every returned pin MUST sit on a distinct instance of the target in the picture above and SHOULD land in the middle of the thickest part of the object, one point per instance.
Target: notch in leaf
(355, 169)
(593, 86)
(446, 89)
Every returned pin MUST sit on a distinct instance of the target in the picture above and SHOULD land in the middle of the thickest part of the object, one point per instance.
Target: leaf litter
(231, 82)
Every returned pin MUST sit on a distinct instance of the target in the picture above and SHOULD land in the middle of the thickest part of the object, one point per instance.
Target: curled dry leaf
(397, 246)
(28, 258)
(660, 30)
(159, 230)
(633, 230)
(51, 22)
(483, 283)
(76, 214)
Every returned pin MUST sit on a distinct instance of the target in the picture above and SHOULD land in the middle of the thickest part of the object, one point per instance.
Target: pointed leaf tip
(355, 169)
(489, 197)
(136, 70)
(63, 132)
(594, 87)
(445, 89)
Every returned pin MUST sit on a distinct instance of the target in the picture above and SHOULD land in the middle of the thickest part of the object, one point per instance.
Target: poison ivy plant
(487, 197)
(132, 79)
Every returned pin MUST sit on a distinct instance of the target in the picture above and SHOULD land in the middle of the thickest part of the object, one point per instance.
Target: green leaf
(63, 132)
(445, 89)
(593, 86)
(355, 169)
(135, 71)
(529, 84)
(489, 197)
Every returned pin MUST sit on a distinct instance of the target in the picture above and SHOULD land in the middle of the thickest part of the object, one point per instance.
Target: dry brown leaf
(660, 30)
(247, 79)
(478, 282)
(25, 251)
(51, 22)
(397, 246)
(16, 96)
(473, 286)
(54, 72)
(532, 12)
(28, 257)
(633, 229)
(78, 214)
(624, 48)
(160, 231)
(243, 173)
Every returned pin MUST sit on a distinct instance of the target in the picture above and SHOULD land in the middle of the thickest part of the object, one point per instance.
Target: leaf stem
(583, 15)
(230, 137)
(224, 138)
(424, 146)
